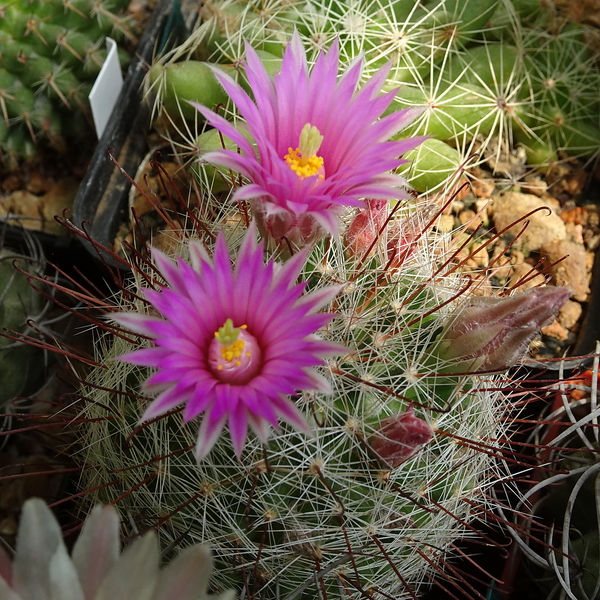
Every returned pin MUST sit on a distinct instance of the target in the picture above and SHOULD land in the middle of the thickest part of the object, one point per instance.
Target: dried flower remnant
(97, 570)
(320, 143)
(490, 334)
(399, 437)
(235, 342)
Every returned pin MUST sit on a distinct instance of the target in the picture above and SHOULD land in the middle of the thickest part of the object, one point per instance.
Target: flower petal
(136, 572)
(186, 577)
(38, 540)
(97, 548)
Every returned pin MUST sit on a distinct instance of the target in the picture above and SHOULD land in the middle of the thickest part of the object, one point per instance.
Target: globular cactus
(406, 420)
(490, 73)
(400, 460)
(21, 365)
(382, 456)
(50, 54)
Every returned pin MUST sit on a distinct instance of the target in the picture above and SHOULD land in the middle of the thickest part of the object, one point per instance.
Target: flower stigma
(304, 160)
(234, 354)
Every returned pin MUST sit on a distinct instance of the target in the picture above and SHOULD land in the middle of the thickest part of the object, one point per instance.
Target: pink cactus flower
(319, 142)
(234, 342)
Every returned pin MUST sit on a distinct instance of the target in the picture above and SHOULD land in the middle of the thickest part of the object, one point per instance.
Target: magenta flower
(319, 144)
(234, 343)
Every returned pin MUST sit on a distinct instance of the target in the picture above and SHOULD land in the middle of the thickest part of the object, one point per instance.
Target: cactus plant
(407, 445)
(403, 448)
(400, 457)
(485, 72)
(50, 54)
(19, 362)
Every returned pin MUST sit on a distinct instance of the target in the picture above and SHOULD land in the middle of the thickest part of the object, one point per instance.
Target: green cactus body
(309, 515)
(483, 69)
(51, 50)
(18, 302)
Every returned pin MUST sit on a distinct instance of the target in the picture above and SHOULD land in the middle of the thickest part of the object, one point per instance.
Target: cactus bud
(399, 437)
(489, 334)
(365, 227)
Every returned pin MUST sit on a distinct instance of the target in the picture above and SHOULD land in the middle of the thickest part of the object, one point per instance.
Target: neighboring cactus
(19, 362)
(483, 69)
(50, 53)
(97, 569)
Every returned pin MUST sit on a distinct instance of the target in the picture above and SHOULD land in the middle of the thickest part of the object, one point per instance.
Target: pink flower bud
(399, 437)
(365, 227)
(490, 334)
(300, 230)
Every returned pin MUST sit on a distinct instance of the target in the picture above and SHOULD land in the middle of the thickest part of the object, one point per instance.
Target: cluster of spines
(485, 71)
(304, 513)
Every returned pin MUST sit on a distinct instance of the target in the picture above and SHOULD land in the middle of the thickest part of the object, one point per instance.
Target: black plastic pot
(101, 201)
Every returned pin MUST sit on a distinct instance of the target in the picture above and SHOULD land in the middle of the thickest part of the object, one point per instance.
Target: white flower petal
(38, 540)
(134, 576)
(97, 548)
(64, 582)
(186, 577)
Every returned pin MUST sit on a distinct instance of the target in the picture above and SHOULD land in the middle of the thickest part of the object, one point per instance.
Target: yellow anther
(304, 160)
(232, 351)
(231, 347)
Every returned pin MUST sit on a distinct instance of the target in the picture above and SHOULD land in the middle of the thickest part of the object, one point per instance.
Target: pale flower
(97, 570)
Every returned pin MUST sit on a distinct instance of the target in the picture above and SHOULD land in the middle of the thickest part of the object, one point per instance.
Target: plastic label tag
(107, 87)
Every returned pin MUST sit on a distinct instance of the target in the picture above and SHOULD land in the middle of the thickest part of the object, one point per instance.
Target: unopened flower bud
(490, 334)
(399, 437)
(364, 229)
(276, 225)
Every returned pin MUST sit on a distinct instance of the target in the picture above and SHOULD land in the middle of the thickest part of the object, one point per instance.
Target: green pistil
(227, 334)
(310, 141)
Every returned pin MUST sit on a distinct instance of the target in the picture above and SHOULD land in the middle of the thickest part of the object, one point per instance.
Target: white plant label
(107, 87)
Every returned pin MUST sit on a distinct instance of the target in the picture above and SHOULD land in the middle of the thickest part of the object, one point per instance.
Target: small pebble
(569, 314)
(544, 226)
(445, 223)
(525, 277)
(470, 219)
(556, 330)
(483, 188)
(480, 256)
(534, 185)
(572, 271)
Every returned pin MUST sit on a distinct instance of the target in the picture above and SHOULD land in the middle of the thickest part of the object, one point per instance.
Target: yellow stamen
(304, 160)
(231, 347)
